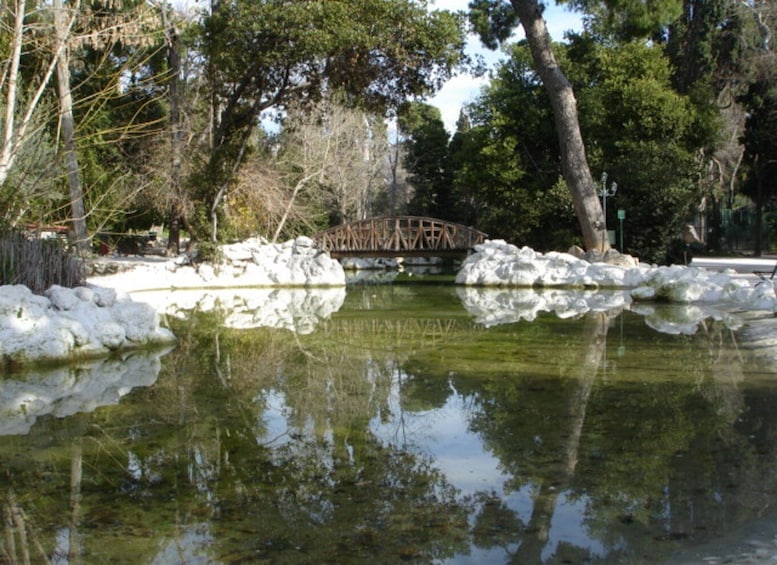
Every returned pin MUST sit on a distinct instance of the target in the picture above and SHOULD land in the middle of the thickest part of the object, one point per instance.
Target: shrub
(38, 263)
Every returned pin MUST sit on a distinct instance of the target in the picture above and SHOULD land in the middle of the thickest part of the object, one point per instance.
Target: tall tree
(760, 144)
(21, 105)
(339, 152)
(704, 47)
(44, 43)
(639, 130)
(626, 20)
(760, 100)
(426, 158)
(173, 48)
(265, 54)
(67, 122)
(692, 43)
(574, 161)
(507, 166)
(465, 193)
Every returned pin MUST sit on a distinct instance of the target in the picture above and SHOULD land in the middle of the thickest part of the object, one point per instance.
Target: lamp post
(604, 193)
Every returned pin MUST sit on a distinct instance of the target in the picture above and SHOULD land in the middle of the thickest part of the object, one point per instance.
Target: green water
(400, 429)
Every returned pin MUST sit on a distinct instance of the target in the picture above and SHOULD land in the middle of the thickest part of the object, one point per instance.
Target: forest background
(273, 117)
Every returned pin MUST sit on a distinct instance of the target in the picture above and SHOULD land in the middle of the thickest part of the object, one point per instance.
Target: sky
(464, 88)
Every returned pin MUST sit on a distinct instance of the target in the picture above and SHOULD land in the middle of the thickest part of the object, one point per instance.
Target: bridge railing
(398, 235)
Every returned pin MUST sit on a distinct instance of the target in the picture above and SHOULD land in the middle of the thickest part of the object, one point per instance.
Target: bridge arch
(395, 236)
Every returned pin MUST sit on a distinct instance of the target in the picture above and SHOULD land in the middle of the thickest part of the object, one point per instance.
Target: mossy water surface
(402, 430)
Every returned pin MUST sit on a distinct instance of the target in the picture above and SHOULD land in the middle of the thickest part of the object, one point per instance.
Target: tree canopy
(638, 130)
(263, 55)
(197, 120)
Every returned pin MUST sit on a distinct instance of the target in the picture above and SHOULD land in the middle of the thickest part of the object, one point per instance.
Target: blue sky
(464, 88)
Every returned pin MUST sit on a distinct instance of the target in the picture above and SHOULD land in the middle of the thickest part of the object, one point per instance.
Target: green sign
(621, 214)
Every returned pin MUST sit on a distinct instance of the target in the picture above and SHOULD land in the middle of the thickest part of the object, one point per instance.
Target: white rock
(62, 298)
(72, 323)
(496, 263)
(644, 293)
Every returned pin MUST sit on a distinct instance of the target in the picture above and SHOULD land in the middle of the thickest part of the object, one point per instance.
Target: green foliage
(637, 128)
(611, 20)
(37, 263)
(426, 158)
(31, 191)
(694, 44)
(760, 136)
(645, 135)
(626, 20)
(760, 146)
(509, 161)
(120, 133)
(116, 82)
(269, 53)
(493, 21)
(208, 252)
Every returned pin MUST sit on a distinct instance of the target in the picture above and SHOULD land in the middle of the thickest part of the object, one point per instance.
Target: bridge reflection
(407, 334)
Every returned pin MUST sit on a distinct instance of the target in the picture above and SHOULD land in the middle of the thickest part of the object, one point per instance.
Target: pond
(407, 424)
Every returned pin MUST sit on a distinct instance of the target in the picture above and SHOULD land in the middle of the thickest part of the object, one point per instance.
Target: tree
(354, 174)
(326, 166)
(574, 162)
(61, 29)
(760, 150)
(760, 101)
(460, 149)
(646, 135)
(508, 161)
(426, 159)
(627, 20)
(265, 54)
(398, 191)
(173, 47)
(109, 43)
(693, 40)
(338, 154)
(118, 106)
(21, 106)
(639, 131)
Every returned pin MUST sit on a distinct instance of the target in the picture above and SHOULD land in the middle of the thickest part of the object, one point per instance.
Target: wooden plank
(399, 235)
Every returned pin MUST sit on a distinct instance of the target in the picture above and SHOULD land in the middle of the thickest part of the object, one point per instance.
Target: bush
(38, 263)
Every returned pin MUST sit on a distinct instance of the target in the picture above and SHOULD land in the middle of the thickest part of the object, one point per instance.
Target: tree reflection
(194, 449)
(559, 479)
(263, 445)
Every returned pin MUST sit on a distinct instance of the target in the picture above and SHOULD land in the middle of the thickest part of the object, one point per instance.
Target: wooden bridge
(399, 236)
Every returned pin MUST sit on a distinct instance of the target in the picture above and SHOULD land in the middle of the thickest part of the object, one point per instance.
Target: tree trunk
(75, 552)
(68, 134)
(545, 500)
(14, 135)
(172, 38)
(574, 164)
(759, 208)
(7, 153)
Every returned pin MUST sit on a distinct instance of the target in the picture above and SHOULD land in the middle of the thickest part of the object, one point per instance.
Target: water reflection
(494, 306)
(295, 309)
(404, 429)
(78, 387)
